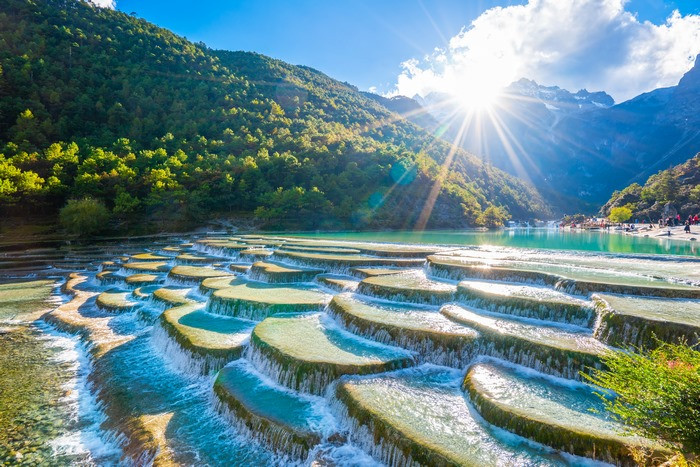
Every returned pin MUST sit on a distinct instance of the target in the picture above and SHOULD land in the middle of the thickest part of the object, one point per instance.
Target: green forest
(95, 103)
(671, 191)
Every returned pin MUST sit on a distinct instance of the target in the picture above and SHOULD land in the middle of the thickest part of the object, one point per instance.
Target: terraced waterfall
(258, 349)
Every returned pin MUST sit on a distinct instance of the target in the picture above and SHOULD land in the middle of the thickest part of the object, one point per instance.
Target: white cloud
(593, 44)
(104, 3)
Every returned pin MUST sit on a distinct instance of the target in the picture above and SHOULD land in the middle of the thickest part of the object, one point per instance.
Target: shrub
(493, 217)
(620, 214)
(85, 216)
(658, 393)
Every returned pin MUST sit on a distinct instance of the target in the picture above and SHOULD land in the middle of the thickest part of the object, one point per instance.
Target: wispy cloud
(595, 44)
(104, 3)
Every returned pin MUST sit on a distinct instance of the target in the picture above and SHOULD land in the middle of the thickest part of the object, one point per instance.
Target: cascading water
(285, 370)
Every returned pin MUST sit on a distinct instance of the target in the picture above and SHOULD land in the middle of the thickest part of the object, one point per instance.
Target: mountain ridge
(577, 155)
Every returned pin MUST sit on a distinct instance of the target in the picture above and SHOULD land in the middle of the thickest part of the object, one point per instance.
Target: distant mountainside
(609, 149)
(523, 93)
(577, 148)
(516, 133)
(556, 99)
(94, 102)
(671, 191)
(408, 108)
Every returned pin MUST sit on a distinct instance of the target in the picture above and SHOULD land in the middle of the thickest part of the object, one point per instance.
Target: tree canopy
(657, 393)
(96, 103)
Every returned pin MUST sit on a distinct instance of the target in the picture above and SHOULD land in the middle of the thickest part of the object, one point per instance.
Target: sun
(477, 93)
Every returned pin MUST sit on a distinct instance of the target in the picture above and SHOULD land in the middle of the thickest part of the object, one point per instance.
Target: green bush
(658, 394)
(620, 214)
(85, 216)
(493, 217)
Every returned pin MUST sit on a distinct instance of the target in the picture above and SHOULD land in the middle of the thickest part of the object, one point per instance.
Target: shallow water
(33, 387)
(676, 310)
(574, 405)
(46, 415)
(124, 389)
(312, 338)
(543, 333)
(428, 405)
(524, 238)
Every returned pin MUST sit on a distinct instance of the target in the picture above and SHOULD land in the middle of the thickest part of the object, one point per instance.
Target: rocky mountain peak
(556, 98)
(692, 78)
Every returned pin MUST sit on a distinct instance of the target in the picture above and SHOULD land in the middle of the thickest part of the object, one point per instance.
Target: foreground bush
(658, 394)
(84, 216)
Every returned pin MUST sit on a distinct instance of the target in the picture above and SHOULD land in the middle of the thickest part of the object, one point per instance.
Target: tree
(493, 217)
(620, 214)
(658, 393)
(125, 204)
(84, 217)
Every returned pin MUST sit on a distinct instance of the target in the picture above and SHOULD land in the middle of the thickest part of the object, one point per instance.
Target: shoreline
(677, 232)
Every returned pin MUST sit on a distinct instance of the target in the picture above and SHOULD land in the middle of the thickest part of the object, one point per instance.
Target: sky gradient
(362, 42)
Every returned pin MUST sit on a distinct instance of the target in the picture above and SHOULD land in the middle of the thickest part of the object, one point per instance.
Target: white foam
(85, 440)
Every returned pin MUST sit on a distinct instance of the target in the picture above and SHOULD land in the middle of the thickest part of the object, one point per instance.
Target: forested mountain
(94, 102)
(671, 191)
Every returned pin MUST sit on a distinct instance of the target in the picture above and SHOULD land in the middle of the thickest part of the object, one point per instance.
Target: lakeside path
(677, 232)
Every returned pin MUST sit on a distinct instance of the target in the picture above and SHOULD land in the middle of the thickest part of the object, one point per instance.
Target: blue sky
(366, 43)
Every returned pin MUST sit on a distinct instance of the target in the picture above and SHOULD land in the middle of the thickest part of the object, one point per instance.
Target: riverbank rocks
(209, 341)
(256, 300)
(639, 321)
(282, 273)
(306, 353)
(284, 421)
(561, 414)
(431, 335)
(549, 349)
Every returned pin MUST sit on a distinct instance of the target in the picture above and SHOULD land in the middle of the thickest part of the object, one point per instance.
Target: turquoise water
(525, 238)
(133, 392)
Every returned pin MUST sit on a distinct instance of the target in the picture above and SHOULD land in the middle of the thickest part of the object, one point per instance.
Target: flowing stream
(185, 352)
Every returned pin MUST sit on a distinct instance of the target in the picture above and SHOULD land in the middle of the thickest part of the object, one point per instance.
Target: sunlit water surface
(556, 239)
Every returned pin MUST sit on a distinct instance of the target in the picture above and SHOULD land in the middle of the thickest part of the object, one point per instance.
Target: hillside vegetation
(671, 191)
(96, 103)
